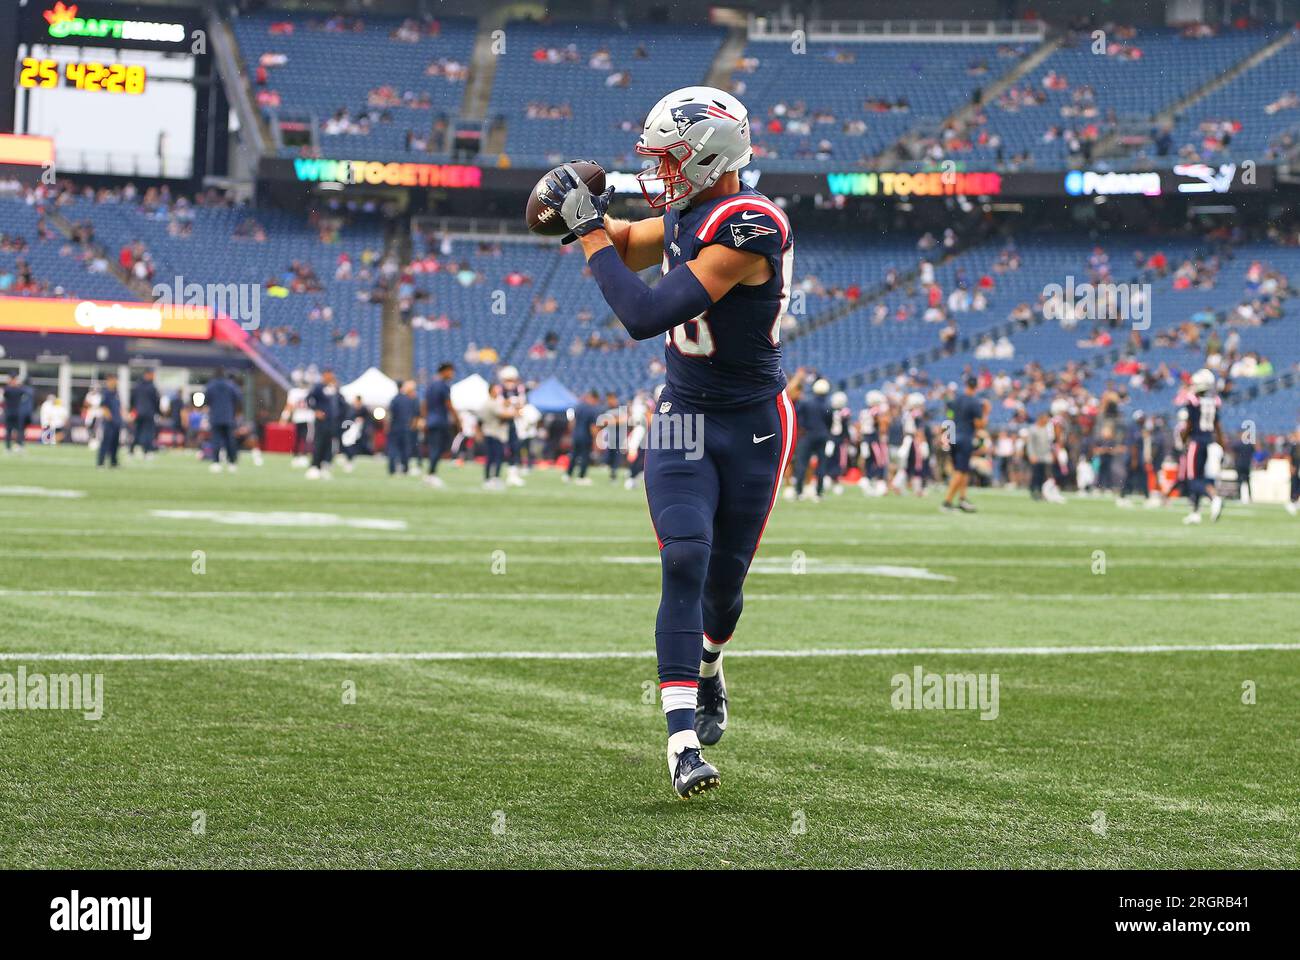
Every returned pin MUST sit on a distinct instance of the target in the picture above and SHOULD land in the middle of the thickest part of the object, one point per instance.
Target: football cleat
(711, 709)
(1291, 508)
(694, 774)
(965, 506)
(1216, 508)
(1192, 518)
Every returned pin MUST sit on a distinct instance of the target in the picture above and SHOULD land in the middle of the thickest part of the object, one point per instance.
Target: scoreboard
(81, 75)
(121, 89)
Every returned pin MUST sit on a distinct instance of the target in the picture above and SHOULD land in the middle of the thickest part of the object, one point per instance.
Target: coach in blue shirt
(18, 408)
(402, 413)
(968, 413)
(586, 415)
(110, 423)
(223, 399)
(145, 404)
(439, 417)
(325, 401)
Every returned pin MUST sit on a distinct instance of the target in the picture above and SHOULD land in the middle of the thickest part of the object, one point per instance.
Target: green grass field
(1120, 757)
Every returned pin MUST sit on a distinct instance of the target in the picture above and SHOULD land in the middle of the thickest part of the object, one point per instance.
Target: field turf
(1107, 750)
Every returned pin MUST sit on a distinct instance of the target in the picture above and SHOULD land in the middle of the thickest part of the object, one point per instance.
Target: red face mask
(665, 183)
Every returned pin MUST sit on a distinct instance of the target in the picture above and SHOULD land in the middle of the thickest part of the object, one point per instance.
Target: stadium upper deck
(387, 88)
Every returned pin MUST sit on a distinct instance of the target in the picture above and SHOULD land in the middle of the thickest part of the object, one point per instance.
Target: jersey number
(694, 338)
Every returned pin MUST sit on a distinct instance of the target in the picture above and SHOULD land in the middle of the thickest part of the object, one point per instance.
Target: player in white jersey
(301, 416)
(873, 452)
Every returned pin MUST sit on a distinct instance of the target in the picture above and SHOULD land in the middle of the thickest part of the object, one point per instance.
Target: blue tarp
(551, 396)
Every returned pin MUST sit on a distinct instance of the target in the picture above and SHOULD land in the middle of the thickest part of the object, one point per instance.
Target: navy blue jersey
(223, 400)
(1202, 417)
(585, 417)
(326, 400)
(730, 355)
(15, 399)
(1136, 441)
(401, 411)
(144, 398)
(437, 397)
(112, 403)
(814, 416)
(965, 411)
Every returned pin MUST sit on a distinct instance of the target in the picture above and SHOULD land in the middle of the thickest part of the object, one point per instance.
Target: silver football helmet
(692, 137)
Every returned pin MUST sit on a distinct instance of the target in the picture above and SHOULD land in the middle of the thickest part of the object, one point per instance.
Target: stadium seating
(329, 70)
(1053, 346)
(211, 253)
(1124, 87)
(829, 86)
(601, 119)
(572, 89)
(55, 263)
(1251, 100)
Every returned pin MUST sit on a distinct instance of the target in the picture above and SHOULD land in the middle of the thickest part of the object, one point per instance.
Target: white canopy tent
(470, 395)
(375, 387)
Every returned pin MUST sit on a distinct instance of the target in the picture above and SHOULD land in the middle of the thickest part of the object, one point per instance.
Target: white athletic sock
(678, 698)
(712, 661)
(676, 744)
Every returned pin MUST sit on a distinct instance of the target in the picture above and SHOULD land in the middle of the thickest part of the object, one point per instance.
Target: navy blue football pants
(398, 447)
(223, 438)
(438, 438)
(709, 506)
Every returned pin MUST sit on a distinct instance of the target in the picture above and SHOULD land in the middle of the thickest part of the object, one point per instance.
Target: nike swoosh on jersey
(758, 439)
(751, 216)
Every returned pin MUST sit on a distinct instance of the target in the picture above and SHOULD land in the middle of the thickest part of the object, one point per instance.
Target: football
(546, 222)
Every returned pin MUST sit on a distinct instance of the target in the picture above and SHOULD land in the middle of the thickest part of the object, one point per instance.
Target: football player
(969, 414)
(873, 426)
(726, 253)
(814, 412)
(1199, 430)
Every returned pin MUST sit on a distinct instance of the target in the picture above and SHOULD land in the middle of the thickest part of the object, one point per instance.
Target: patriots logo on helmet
(687, 116)
(744, 232)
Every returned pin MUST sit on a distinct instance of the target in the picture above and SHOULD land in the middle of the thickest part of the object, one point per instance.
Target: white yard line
(649, 654)
(504, 596)
(475, 558)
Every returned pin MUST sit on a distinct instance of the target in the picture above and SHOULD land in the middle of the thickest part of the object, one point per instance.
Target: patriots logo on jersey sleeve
(744, 232)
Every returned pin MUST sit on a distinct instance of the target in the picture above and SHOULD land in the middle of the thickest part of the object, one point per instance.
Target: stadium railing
(869, 31)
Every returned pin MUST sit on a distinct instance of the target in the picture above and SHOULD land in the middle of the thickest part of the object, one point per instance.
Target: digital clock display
(81, 75)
